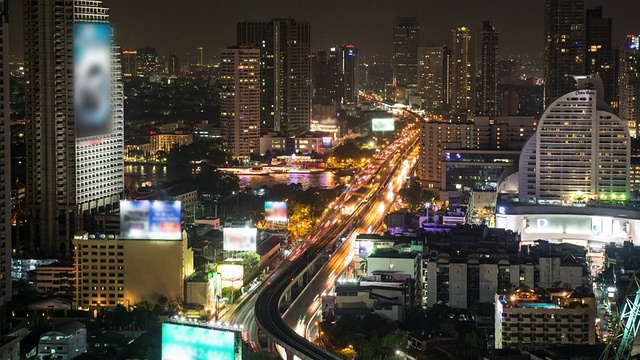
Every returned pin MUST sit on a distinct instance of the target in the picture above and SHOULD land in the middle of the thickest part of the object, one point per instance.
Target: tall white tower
(75, 119)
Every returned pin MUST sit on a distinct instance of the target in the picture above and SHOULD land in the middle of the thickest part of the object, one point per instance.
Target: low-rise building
(66, 342)
(167, 141)
(188, 197)
(55, 279)
(525, 320)
(112, 271)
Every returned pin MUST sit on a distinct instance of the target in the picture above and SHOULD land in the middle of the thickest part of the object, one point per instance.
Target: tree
(412, 195)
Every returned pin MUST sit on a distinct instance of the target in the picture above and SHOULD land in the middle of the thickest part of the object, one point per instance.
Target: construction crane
(626, 329)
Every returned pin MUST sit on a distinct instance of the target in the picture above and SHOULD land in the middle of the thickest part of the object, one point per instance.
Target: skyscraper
(129, 63)
(239, 75)
(74, 119)
(629, 84)
(173, 65)
(489, 91)
(446, 78)
(350, 74)
(462, 72)
(564, 46)
(5, 168)
(600, 54)
(406, 37)
(285, 51)
(430, 75)
(321, 78)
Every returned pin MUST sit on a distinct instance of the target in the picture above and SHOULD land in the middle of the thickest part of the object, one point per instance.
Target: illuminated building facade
(129, 63)
(285, 68)
(629, 84)
(463, 73)
(112, 271)
(580, 151)
(5, 166)
(489, 89)
(75, 122)
(431, 76)
(239, 76)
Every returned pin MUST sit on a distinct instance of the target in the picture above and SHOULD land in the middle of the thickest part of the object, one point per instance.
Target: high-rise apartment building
(74, 119)
(489, 90)
(600, 57)
(463, 72)
(5, 167)
(564, 46)
(431, 76)
(629, 84)
(285, 68)
(446, 78)
(321, 85)
(406, 37)
(239, 76)
(556, 165)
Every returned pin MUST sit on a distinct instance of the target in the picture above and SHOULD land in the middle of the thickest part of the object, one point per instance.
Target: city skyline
(368, 23)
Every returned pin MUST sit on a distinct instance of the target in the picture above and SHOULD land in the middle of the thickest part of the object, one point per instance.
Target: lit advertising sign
(365, 248)
(575, 225)
(150, 220)
(92, 73)
(382, 124)
(231, 275)
(191, 342)
(275, 211)
(239, 239)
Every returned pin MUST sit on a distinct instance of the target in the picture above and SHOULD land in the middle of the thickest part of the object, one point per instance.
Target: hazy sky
(181, 26)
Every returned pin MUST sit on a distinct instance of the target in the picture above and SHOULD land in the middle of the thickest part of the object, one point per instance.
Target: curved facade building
(580, 151)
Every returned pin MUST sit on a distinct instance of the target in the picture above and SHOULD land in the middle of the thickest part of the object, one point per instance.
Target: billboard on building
(92, 79)
(150, 220)
(239, 239)
(199, 342)
(275, 211)
(231, 275)
(382, 124)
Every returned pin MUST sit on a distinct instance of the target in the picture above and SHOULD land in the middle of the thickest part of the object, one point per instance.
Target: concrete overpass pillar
(287, 295)
(300, 281)
(289, 355)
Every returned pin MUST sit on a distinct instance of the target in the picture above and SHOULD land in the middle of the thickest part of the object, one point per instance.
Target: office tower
(239, 75)
(350, 74)
(147, 62)
(556, 165)
(321, 78)
(406, 36)
(201, 58)
(600, 54)
(564, 46)
(489, 90)
(446, 78)
(629, 84)
(74, 116)
(129, 63)
(285, 58)
(462, 72)
(430, 75)
(5, 168)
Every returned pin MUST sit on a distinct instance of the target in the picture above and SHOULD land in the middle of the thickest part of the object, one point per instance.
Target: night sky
(181, 26)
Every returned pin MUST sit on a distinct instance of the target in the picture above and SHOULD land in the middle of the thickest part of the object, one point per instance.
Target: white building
(580, 151)
(66, 342)
(240, 100)
(75, 119)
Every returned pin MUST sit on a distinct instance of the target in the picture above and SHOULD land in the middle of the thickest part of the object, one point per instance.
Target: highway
(361, 206)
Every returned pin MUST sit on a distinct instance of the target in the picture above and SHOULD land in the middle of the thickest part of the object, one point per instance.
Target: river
(158, 173)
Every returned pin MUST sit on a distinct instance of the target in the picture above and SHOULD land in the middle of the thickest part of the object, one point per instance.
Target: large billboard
(382, 124)
(231, 275)
(275, 211)
(150, 220)
(239, 239)
(193, 342)
(92, 72)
